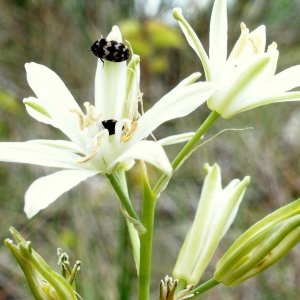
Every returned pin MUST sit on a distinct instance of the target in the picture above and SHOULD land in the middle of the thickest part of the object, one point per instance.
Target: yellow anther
(127, 136)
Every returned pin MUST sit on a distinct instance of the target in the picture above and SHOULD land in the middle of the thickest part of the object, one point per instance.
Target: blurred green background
(87, 222)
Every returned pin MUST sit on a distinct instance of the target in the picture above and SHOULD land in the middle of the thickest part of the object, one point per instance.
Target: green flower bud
(260, 246)
(44, 283)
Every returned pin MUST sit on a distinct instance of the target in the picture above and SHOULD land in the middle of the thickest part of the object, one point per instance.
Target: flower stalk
(146, 239)
(186, 151)
(129, 211)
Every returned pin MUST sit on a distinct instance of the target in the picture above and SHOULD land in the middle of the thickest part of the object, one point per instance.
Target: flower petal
(46, 190)
(269, 99)
(110, 84)
(133, 93)
(236, 98)
(258, 38)
(193, 41)
(216, 211)
(176, 139)
(61, 154)
(37, 111)
(56, 98)
(147, 151)
(177, 103)
(218, 37)
(286, 80)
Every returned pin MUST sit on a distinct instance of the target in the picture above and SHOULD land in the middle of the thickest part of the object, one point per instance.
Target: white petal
(269, 99)
(176, 139)
(46, 190)
(258, 38)
(193, 40)
(56, 98)
(115, 34)
(133, 93)
(37, 153)
(147, 151)
(237, 97)
(177, 103)
(110, 88)
(218, 37)
(36, 110)
(286, 80)
(110, 84)
(58, 144)
(238, 50)
(194, 77)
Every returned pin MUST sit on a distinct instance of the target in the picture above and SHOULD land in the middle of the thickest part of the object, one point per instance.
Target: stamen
(97, 141)
(91, 112)
(127, 136)
(89, 119)
(80, 116)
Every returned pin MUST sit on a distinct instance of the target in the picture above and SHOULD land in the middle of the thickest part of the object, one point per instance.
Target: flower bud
(260, 246)
(44, 283)
(216, 211)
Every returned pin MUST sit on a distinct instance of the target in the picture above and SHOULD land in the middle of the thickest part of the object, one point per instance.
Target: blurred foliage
(86, 222)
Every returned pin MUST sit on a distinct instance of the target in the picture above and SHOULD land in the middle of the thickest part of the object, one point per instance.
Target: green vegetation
(86, 222)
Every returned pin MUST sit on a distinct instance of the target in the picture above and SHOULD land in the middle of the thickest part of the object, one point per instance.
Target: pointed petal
(61, 154)
(177, 103)
(237, 96)
(258, 37)
(147, 151)
(216, 211)
(133, 93)
(46, 190)
(176, 139)
(237, 53)
(55, 96)
(218, 37)
(36, 110)
(110, 84)
(193, 41)
(283, 97)
(286, 80)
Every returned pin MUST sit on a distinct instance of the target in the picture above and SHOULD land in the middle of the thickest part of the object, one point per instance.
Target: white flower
(96, 147)
(216, 211)
(246, 78)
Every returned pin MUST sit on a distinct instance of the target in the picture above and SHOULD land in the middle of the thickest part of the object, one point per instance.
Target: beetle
(110, 50)
(110, 125)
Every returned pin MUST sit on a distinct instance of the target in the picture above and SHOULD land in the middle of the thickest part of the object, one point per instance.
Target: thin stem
(148, 211)
(133, 233)
(124, 281)
(202, 288)
(186, 150)
(126, 203)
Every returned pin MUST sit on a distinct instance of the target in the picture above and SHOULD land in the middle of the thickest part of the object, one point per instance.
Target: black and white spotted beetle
(110, 50)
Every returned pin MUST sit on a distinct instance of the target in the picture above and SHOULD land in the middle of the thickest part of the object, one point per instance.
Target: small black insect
(110, 50)
(110, 125)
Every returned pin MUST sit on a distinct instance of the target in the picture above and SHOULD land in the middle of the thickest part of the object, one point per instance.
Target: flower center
(96, 137)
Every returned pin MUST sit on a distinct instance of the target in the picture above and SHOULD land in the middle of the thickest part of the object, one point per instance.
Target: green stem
(124, 280)
(186, 150)
(202, 288)
(148, 211)
(126, 203)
